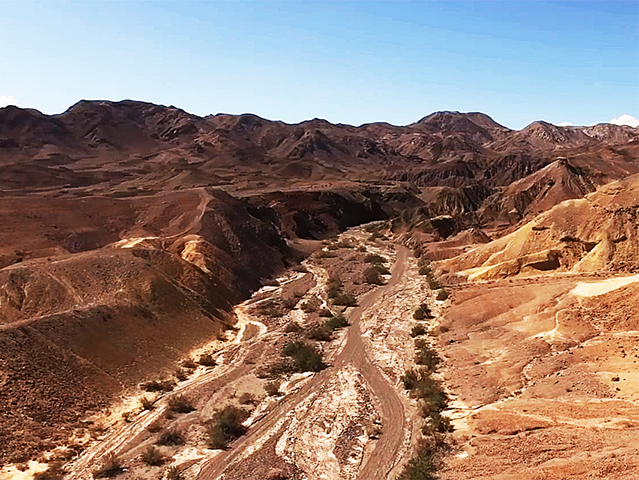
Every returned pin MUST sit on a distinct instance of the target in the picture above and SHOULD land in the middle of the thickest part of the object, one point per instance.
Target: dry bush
(248, 399)
(325, 312)
(375, 258)
(289, 303)
(345, 299)
(305, 356)
(188, 363)
(292, 327)
(171, 438)
(311, 305)
(174, 473)
(110, 467)
(226, 426)
(180, 374)
(207, 360)
(180, 404)
(422, 312)
(418, 330)
(373, 277)
(273, 388)
(152, 457)
(55, 471)
(442, 294)
(158, 385)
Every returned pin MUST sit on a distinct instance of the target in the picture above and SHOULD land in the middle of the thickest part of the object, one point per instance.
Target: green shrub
(425, 355)
(180, 404)
(345, 299)
(152, 457)
(226, 426)
(305, 356)
(420, 467)
(336, 322)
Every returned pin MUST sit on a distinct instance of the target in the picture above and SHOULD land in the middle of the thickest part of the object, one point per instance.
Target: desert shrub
(333, 246)
(436, 422)
(425, 355)
(420, 467)
(110, 467)
(158, 385)
(325, 312)
(226, 426)
(273, 388)
(289, 303)
(146, 403)
(418, 330)
(325, 254)
(442, 294)
(171, 438)
(152, 457)
(247, 399)
(320, 333)
(180, 404)
(292, 327)
(336, 322)
(381, 268)
(345, 299)
(180, 374)
(361, 249)
(333, 287)
(311, 305)
(422, 312)
(174, 473)
(207, 360)
(374, 258)
(425, 388)
(305, 356)
(188, 363)
(373, 277)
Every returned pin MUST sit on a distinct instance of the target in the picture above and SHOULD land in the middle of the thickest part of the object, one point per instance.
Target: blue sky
(353, 63)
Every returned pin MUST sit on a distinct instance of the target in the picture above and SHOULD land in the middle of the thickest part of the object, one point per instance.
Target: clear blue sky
(346, 62)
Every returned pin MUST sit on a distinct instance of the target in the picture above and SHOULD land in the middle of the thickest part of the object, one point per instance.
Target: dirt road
(385, 454)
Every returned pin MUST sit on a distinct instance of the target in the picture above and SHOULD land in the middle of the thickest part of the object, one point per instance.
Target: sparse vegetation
(207, 360)
(152, 457)
(174, 473)
(146, 403)
(442, 294)
(345, 299)
(334, 287)
(158, 385)
(188, 363)
(325, 331)
(425, 355)
(375, 258)
(226, 426)
(311, 305)
(289, 303)
(420, 467)
(422, 312)
(305, 356)
(373, 277)
(273, 388)
(54, 472)
(247, 398)
(180, 404)
(325, 312)
(418, 330)
(171, 438)
(110, 467)
(180, 374)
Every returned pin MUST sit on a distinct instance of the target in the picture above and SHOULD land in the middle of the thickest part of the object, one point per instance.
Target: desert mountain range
(131, 231)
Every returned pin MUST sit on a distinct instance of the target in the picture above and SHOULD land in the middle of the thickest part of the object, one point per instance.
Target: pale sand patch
(605, 286)
(10, 472)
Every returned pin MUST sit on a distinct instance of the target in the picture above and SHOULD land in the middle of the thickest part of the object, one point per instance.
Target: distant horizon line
(622, 120)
